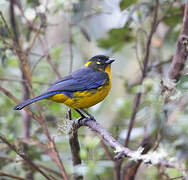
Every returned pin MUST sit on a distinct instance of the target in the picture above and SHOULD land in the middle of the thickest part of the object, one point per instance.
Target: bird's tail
(30, 101)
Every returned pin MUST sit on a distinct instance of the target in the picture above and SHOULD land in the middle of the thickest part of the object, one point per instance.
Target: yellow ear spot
(98, 63)
(87, 63)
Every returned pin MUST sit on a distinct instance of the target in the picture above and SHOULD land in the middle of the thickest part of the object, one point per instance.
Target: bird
(82, 89)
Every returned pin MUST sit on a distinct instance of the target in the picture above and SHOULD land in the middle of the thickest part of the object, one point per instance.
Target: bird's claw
(92, 118)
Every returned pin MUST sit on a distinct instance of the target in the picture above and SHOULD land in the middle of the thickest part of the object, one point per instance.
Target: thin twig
(75, 146)
(130, 168)
(73, 138)
(159, 64)
(11, 176)
(39, 165)
(37, 62)
(37, 33)
(117, 167)
(106, 136)
(54, 153)
(108, 153)
(119, 148)
(21, 80)
(5, 23)
(144, 72)
(70, 48)
(49, 170)
(179, 177)
(48, 57)
(26, 75)
(23, 156)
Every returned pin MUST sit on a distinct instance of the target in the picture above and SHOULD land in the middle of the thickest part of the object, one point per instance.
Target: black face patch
(99, 62)
(100, 58)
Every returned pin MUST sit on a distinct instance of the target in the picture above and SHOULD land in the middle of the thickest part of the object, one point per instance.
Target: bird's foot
(92, 118)
(89, 115)
(80, 119)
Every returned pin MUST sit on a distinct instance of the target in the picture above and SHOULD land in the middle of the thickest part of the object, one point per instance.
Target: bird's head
(99, 62)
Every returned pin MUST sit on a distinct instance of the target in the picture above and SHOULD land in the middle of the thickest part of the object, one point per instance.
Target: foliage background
(78, 30)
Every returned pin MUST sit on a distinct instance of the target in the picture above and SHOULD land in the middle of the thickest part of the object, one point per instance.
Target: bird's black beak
(109, 61)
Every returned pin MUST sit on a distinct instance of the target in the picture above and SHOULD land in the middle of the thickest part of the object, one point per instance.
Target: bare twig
(21, 80)
(24, 68)
(181, 52)
(11, 176)
(70, 48)
(108, 153)
(160, 64)
(39, 165)
(106, 137)
(54, 153)
(144, 72)
(179, 177)
(37, 33)
(75, 147)
(5, 23)
(73, 138)
(48, 57)
(117, 163)
(138, 96)
(49, 170)
(37, 62)
(27, 159)
(130, 169)
(119, 148)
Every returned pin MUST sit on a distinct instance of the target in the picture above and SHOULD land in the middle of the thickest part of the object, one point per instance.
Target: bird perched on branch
(82, 89)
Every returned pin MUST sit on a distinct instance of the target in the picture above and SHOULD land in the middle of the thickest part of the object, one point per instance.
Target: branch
(54, 153)
(75, 147)
(24, 68)
(118, 148)
(21, 80)
(130, 169)
(144, 72)
(48, 57)
(106, 137)
(27, 86)
(5, 23)
(73, 138)
(70, 48)
(11, 176)
(181, 51)
(39, 165)
(23, 156)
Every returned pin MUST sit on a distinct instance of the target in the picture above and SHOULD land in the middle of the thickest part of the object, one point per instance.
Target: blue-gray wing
(80, 80)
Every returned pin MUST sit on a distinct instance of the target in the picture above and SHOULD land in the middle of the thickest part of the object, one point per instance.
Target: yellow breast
(85, 99)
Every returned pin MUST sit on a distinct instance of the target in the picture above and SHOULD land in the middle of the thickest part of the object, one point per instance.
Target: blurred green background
(80, 29)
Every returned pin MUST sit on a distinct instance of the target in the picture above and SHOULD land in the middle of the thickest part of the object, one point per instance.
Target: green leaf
(183, 82)
(172, 36)
(83, 153)
(33, 3)
(174, 17)
(4, 61)
(55, 107)
(116, 39)
(126, 3)
(56, 52)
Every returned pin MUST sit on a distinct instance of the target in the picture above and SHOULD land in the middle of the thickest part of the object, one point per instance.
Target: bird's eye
(99, 61)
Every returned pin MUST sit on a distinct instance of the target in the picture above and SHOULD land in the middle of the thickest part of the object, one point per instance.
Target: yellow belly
(83, 99)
